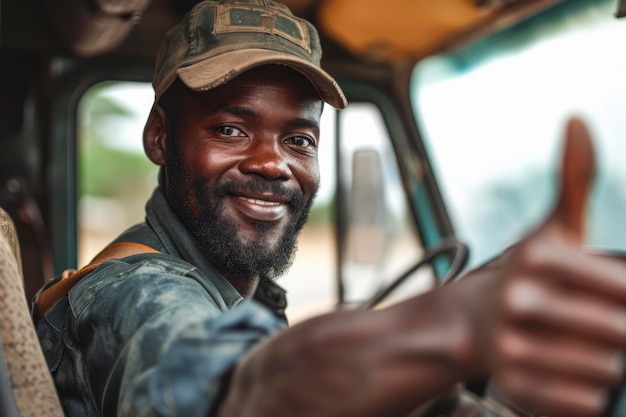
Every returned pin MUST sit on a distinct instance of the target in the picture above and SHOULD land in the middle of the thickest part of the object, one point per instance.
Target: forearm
(357, 363)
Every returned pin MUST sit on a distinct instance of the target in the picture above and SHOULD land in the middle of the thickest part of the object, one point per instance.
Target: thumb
(577, 175)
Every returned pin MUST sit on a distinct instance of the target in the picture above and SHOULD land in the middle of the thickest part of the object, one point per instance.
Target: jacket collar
(173, 238)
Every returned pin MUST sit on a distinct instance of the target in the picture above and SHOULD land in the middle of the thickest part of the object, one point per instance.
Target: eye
(301, 141)
(229, 131)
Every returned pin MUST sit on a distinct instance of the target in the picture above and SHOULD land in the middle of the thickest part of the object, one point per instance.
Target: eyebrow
(301, 122)
(236, 110)
(246, 111)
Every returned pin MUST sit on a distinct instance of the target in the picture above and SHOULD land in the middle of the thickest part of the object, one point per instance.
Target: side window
(381, 243)
(114, 176)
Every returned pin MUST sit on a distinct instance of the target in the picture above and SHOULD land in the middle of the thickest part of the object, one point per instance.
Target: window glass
(116, 179)
(381, 239)
(492, 116)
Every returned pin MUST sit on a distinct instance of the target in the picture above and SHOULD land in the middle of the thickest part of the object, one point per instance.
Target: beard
(217, 235)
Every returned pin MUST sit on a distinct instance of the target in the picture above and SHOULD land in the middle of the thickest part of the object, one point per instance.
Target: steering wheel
(449, 245)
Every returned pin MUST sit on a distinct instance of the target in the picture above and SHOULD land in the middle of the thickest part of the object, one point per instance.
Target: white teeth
(260, 202)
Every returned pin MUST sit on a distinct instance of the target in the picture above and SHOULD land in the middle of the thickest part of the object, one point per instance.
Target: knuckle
(511, 349)
(594, 403)
(615, 368)
(522, 298)
(532, 255)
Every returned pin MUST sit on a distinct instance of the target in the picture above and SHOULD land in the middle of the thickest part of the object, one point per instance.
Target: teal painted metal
(427, 223)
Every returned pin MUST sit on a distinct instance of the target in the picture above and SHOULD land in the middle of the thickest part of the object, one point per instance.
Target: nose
(267, 159)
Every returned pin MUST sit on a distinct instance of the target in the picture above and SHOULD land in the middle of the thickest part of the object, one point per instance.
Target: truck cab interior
(444, 157)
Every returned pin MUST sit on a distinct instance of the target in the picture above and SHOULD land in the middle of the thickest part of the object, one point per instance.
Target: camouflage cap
(218, 40)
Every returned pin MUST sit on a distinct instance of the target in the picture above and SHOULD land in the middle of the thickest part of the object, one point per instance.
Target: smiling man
(242, 171)
(180, 316)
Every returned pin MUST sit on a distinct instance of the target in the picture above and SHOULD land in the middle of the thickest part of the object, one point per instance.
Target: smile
(258, 209)
(261, 202)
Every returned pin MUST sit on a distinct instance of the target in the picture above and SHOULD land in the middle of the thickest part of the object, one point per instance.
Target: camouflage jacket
(153, 334)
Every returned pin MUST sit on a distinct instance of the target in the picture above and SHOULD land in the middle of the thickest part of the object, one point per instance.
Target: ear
(155, 135)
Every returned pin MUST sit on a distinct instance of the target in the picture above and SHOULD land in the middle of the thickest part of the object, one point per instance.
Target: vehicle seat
(25, 381)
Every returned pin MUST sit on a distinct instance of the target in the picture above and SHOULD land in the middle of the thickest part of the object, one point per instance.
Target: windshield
(492, 117)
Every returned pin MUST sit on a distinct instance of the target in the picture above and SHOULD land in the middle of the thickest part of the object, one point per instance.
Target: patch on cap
(231, 18)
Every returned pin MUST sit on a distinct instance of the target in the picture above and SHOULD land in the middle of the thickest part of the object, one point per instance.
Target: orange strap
(47, 298)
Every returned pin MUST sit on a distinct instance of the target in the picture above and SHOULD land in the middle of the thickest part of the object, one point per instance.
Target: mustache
(258, 185)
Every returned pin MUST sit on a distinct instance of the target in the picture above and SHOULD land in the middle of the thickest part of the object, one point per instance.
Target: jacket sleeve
(159, 344)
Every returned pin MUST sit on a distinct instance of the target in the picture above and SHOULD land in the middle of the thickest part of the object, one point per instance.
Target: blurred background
(491, 117)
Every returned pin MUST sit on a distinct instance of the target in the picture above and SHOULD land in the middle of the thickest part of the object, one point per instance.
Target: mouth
(260, 202)
(265, 208)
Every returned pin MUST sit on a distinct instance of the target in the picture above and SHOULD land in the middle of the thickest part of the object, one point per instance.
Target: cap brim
(212, 72)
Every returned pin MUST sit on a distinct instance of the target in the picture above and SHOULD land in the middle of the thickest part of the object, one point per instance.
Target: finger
(528, 302)
(577, 174)
(561, 356)
(569, 267)
(545, 395)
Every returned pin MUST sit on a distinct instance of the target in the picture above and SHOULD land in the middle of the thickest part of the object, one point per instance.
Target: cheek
(310, 178)
(208, 163)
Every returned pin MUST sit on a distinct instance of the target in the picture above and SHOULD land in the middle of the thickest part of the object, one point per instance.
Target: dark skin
(547, 320)
(245, 129)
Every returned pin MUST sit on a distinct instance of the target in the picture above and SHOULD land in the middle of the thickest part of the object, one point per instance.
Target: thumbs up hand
(551, 328)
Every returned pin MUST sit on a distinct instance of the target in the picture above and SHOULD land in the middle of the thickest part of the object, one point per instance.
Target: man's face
(242, 169)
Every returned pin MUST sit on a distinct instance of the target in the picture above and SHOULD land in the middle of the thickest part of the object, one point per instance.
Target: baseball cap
(218, 40)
